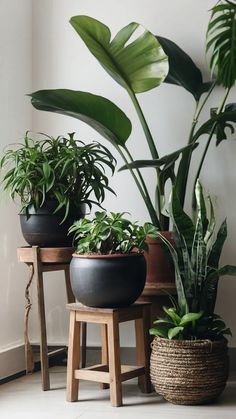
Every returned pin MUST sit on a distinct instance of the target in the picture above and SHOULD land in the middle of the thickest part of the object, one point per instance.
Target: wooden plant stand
(42, 260)
(110, 372)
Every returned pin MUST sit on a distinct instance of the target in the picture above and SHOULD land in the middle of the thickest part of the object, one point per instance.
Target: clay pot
(159, 263)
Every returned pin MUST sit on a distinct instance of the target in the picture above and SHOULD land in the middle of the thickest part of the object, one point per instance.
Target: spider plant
(62, 169)
(140, 63)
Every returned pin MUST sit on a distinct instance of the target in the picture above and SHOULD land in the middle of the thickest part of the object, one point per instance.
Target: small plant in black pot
(55, 178)
(109, 268)
(189, 363)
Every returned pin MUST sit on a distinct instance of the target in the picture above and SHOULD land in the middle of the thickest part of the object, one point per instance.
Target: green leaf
(158, 331)
(173, 332)
(167, 160)
(215, 253)
(138, 64)
(182, 70)
(182, 222)
(172, 314)
(190, 317)
(100, 113)
(221, 38)
(218, 122)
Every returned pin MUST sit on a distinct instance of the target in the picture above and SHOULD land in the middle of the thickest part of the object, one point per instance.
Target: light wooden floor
(23, 399)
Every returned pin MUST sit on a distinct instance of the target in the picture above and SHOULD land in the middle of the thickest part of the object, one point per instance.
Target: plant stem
(151, 145)
(147, 200)
(219, 110)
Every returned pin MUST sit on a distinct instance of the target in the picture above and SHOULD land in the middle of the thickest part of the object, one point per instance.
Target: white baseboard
(12, 361)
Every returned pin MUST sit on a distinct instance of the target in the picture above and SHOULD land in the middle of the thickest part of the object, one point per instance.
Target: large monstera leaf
(100, 113)
(182, 70)
(136, 61)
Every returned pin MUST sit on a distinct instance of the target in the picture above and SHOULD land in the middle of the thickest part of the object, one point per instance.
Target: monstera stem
(219, 110)
(151, 145)
(147, 200)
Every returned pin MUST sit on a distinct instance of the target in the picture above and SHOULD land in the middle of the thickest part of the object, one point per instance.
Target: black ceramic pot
(42, 227)
(108, 280)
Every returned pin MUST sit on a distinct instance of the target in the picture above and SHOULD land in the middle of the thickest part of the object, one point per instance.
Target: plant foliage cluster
(109, 234)
(63, 169)
(196, 258)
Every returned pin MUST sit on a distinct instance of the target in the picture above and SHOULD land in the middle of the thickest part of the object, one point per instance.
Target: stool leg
(73, 359)
(42, 321)
(114, 360)
(71, 299)
(105, 358)
(143, 348)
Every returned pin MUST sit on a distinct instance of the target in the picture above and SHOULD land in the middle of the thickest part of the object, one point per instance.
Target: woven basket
(189, 372)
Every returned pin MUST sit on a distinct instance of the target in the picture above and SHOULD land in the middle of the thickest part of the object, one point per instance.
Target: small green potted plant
(108, 268)
(189, 363)
(55, 178)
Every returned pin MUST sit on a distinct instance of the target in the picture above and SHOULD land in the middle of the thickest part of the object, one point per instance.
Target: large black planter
(43, 228)
(108, 280)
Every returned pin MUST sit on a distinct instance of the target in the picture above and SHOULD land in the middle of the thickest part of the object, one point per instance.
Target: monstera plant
(139, 63)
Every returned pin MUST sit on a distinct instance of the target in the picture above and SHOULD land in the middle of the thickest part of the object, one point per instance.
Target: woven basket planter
(189, 372)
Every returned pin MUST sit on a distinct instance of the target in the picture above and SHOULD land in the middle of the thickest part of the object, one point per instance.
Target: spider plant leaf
(135, 61)
(182, 70)
(98, 112)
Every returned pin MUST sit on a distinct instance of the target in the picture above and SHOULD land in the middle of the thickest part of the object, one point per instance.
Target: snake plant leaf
(135, 61)
(98, 112)
(214, 256)
(219, 122)
(210, 285)
(201, 208)
(221, 38)
(182, 222)
(182, 70)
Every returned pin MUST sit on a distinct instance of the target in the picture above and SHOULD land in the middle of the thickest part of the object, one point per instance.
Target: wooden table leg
(42, 321)
(73, 359)
(29, 359)
(104, 346)
(71, 299)
(114, 360)
(143, 341)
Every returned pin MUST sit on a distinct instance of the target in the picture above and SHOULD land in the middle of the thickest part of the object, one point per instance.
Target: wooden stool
(42, 260)
(110, 372)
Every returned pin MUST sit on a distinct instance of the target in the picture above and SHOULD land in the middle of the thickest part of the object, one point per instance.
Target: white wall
(60, 59)
(16, 118)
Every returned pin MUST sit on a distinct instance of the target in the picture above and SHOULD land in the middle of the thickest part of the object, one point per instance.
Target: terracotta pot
(159, 262)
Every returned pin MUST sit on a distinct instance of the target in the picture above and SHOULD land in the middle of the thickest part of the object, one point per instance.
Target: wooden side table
(42, 260)
(110, 371)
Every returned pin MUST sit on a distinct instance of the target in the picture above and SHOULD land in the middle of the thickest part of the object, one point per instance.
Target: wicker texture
(189, 372)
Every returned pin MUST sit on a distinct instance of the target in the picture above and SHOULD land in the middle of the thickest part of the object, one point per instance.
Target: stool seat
(110, 371)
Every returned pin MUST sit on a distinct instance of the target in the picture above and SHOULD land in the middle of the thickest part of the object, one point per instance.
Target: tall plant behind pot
(54, 179)
(162, 61)
(109, 268)
(189, 362)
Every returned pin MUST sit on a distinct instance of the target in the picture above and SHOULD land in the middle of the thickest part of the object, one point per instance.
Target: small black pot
(42, 227)
(108, 280)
